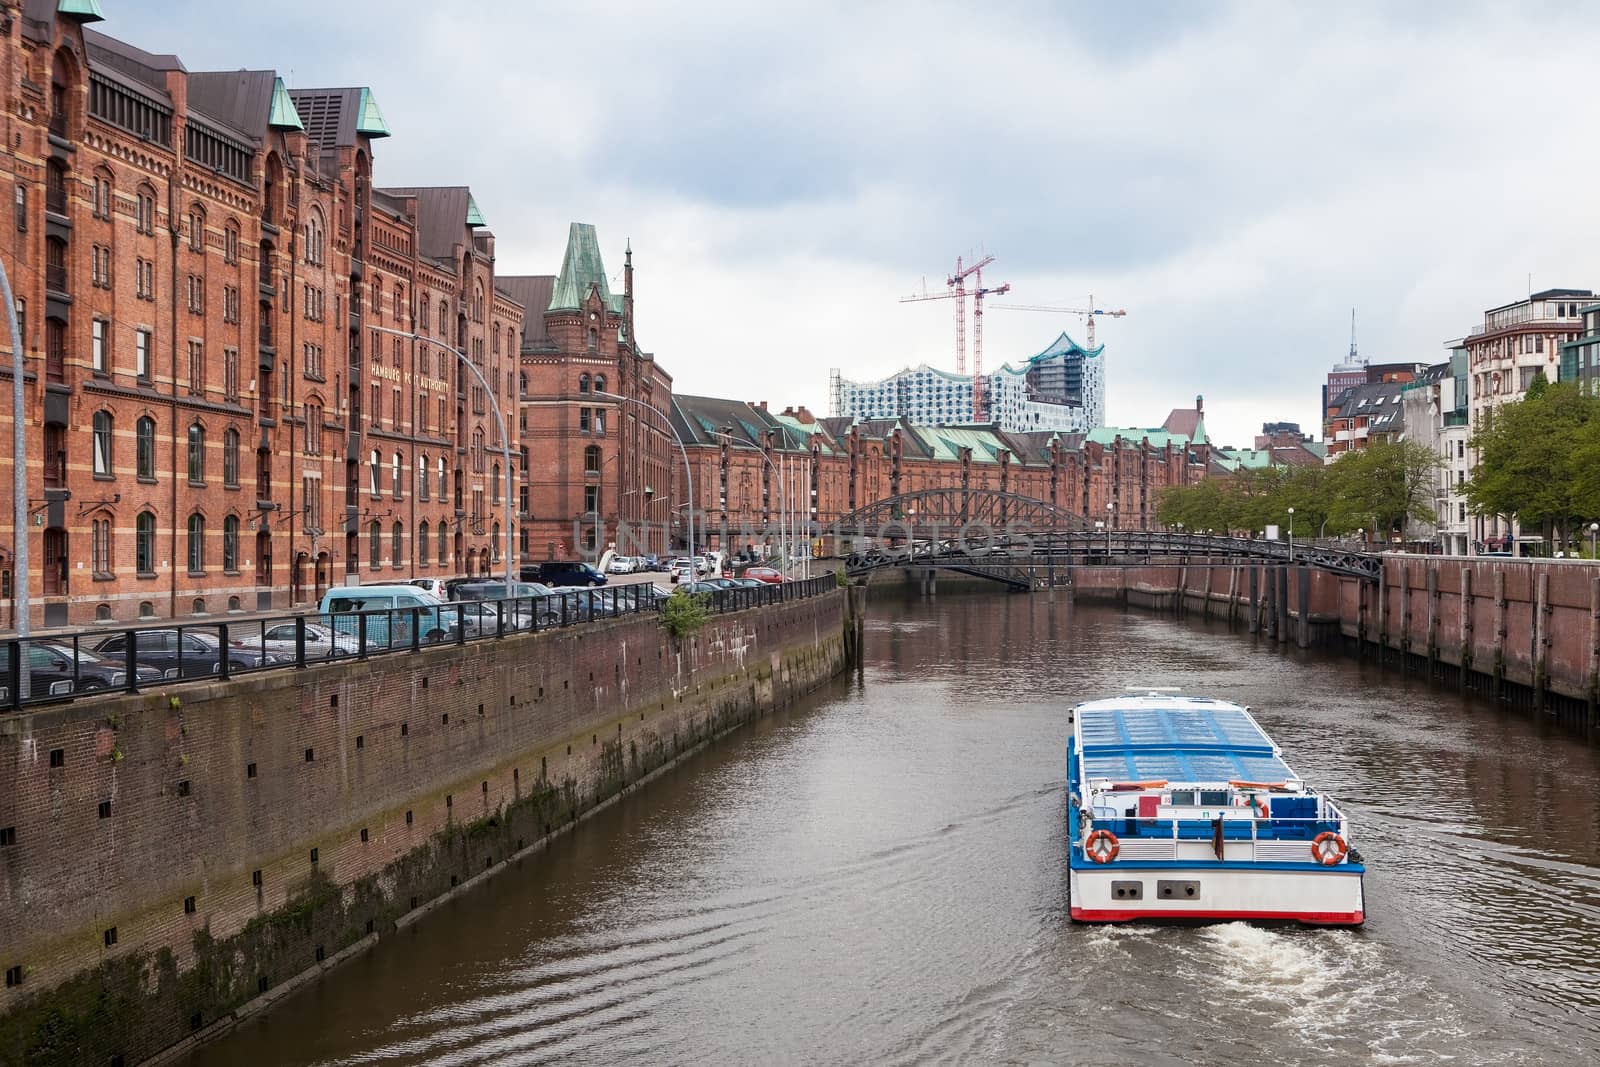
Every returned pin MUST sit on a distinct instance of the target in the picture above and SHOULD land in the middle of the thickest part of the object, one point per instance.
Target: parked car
(452, 584)
(556, 573)
(768, 575)
(322, 641)
(190, 653)
(622, 565)
(652, 564)
(683, 569)
(436, 586)
(343, 605)
(52, 670)
(483, 617)
(747, 583)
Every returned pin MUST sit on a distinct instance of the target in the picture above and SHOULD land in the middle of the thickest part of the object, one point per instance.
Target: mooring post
(1466, 627)
(1405, 614)
(1541, 634)
(1253, 620)
(1594, 648)
(1303, 584)
(1383, 610)
(1499, 632)
(1433, 616)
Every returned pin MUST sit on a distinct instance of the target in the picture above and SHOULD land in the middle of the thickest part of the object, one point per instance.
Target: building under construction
(1063, 388)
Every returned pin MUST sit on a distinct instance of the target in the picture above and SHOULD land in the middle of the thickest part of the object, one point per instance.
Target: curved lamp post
(1291, 535)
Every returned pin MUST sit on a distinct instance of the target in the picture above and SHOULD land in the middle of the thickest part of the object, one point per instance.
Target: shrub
(684, 613)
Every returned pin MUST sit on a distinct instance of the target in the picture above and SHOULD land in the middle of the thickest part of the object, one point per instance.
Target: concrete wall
(235, 835)
(1524, 630)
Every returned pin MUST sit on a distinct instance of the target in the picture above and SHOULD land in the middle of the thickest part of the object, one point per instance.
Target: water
(878, 877)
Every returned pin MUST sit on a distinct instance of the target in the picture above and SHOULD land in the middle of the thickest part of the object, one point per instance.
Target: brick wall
(260, 826)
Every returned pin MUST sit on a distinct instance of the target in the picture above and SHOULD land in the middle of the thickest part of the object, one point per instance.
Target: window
(144, 543)
(197, 544)
(313, 428)
(230, 244)
(146, 283)
(102, 196)
(394, 411)
(373, 472)
(394, 474)
(444, 307)
(374, 543)
(230, 458)
(314, 245)
(376, 414)
(495, 485)
(100, 266)
(583, 383)
(146, 219)
(144, 436)
(397, 551)
(197, 454)
(600, 422)
(100, 547)
(230, 544)
(197, 294)
(599, 383)
(22, 217)
(399, 356)
(422, 543)
(197, 231)
(591, 498)
(583, 419)
(477, 451)
(444, 545)
(98, 357)
(141, 355)
(230, 304)
(443, 420)
(591, 460)
(197, 368)
(442, 478)
(102, 444)
(422, 479)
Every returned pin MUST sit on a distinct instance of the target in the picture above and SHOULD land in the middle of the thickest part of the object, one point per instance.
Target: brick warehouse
(175, 467)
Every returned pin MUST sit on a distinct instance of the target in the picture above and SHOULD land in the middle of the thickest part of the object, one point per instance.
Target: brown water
(878, 876)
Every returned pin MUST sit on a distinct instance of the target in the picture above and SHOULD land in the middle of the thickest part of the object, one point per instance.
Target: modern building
(1364, 413)
(1580, 357)
(1435, 416)
(1515, 344)
(1061, 388)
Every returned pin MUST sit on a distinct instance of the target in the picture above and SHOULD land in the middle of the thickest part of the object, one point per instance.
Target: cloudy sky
(1237, 176)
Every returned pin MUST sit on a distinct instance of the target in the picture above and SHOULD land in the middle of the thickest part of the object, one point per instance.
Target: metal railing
(134, 659)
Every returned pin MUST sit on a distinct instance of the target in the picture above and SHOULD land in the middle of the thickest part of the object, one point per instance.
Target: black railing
(136, 659)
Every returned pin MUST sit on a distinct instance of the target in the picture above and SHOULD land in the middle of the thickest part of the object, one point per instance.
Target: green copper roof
(283, 115)
(1105, 435)
(474, 216)
(369, 120)
(581, 268)
(82, 10)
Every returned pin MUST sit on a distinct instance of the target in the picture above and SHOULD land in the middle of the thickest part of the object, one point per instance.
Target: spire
(283, 115)
(581, 269)
(1353, 357)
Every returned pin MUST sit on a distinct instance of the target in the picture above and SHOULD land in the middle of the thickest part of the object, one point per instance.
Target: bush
(684, 613)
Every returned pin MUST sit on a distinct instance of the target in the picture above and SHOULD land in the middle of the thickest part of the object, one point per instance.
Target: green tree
(1382, 486)
(1537, 459)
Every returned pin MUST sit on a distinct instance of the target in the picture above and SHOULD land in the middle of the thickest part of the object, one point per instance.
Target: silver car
(322, 642)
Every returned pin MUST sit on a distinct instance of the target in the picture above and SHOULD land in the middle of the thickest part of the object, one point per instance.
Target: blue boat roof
(1180, 739)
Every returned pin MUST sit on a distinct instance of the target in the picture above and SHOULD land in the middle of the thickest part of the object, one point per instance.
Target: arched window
(477, 450)
(397, 548)
(102, 613)
(144, 447)
(197, 453)
(522, 383)
(599, 383)
(494, 347)
(399, 300)
(314, 237)
(100, 546)
(102, 193)
(444, 319)
(374, 543)
(373, 468)
(443, 478)
(230, 543)
(583, 383)
(395, 468)
(591, 460)
(494, 544)
(230, 242)
(422, 542)
(477, 302)
(144, 544)
(230, 457)
(197, 543)
(444, 544)
(422, 477)
(102, 443)
(594, 338)
(197, 229)
(496, 496)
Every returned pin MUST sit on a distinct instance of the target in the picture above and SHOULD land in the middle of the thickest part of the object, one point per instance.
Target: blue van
(390, 611)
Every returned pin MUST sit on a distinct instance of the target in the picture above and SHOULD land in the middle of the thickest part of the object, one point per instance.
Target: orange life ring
(1260, 805)
(1328, 848)
(1101, 846)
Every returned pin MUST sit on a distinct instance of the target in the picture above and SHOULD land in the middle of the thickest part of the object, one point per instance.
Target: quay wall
(176, 859)
(1527, 631)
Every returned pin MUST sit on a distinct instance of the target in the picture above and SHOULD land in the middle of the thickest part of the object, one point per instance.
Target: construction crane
(956, 289)
(1087, 313)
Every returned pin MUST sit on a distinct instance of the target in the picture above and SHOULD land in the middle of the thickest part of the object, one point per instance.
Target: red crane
(956, 289)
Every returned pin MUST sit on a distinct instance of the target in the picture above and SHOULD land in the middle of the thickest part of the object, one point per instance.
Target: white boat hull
(1331, 897)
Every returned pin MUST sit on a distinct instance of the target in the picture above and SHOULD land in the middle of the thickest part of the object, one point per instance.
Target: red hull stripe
(1117, 915)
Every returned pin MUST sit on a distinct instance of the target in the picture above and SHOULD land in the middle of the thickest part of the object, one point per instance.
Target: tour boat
(1182, 808)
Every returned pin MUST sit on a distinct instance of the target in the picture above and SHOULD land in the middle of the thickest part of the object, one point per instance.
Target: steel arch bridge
(934, 513)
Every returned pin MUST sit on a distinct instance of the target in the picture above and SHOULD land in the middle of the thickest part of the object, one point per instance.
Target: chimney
(1200, 405)
(804, 415)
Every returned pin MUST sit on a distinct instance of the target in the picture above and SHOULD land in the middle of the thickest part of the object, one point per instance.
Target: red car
(770, 575)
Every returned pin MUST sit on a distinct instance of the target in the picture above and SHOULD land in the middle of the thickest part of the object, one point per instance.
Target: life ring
(1101, 846)
(1328, 848)
(1260, 806)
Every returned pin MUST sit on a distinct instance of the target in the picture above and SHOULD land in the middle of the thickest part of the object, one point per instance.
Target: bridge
(1027, 544)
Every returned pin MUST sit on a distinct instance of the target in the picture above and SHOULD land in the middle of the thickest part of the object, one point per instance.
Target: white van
(343, 605)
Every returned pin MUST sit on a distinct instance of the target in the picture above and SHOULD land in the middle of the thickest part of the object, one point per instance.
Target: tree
(1537, 458)
(1382, 486)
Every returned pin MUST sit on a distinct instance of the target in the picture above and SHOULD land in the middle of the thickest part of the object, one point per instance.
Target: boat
(1182, 808)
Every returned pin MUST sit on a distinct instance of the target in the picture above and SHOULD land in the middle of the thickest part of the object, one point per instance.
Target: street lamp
(1594, 534)
(1361, 536)
(688, 474)
(1291, 535)
(505, 438)
(20, 586)
(1111, 509)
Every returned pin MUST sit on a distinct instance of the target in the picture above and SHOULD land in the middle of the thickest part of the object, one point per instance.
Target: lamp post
(505, 438)
(1361, 536)
(1594, 538)
(688, 473)
(1111, 510)
(20, 586)
(1291, 535)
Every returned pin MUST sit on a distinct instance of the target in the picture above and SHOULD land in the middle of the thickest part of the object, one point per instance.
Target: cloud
(1238, 176)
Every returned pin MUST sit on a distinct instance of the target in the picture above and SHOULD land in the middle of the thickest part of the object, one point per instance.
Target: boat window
(1183, 798)
(1210, 798)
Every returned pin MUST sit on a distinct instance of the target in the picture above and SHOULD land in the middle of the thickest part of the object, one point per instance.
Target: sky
(1237, 176)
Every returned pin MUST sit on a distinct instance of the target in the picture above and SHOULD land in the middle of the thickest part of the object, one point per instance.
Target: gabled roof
(582, 268)
(130, 65)
(243, 99)
(442, 217)
(335, 118)
(532, 291)
(1188, 423)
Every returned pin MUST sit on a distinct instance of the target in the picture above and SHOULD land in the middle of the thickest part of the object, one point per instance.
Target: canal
(878, 876)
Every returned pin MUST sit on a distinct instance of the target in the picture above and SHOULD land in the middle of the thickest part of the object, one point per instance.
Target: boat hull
(1124, 893)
